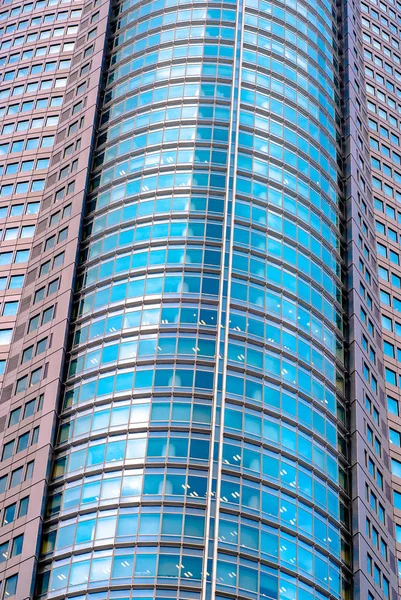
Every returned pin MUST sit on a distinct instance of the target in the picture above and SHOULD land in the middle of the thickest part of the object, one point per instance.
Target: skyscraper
(195, 397)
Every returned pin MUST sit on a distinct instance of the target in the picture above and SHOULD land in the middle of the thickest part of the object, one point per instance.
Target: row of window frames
(11, 548)
(30, 105)
(385, 169)
(391, 325)
(41, 20)
(379, 579)
(46, 291)
(393, 256)
(34, 350)
(363, 269)
(18, 210)
(383, 20)
(369, 377)
(34, 86)
(381, 5)
(385, 274)
(379, 31)
(374, 504)
(64, 191)
(377, 540)
(384, 131)
(369, 349)
(9, 309)
(45, 141)
(385, 98)
(41, 319)
(26, 125)
(15, 511)
(17, 257)
(40, 4)
(59, 215)
(379, 46)
(47, 266)
(389, 85)
(372, 410)
(31, 379)
(48, 67)
(24, 166)
(373, 441)
(386, 299)
(19, 444)
(15, 233)
(22, 187)
(38, 35)
(391, 350)
(378, 62)
(10, 587)
(17, 476)
(383, 113)
(11, 282)
(388, 210)
(25, 411)
(376, 15)
(391, 233)
(373, 470)
(34, 53)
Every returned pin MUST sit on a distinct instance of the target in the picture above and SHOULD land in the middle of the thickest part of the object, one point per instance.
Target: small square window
(36, 376)
(16, 547)
(29, 409)
(58, 260)
(41, 346)
(8, 450)
(11, 233)
(33, 323)
(17, 210)
(44, 268)
(39, 295)
(21, 256)
(27, 231)
(32, 208)
(10, 309)
(16, 477)
(22, 384)
(14, 417)
(3, 552)
(5, 336)
(16, 282)
(53, 287)
(23, 507)
(9, 514)
(29, 470)
(27, 354)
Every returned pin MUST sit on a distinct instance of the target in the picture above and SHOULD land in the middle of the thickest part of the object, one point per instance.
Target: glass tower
(209, 416)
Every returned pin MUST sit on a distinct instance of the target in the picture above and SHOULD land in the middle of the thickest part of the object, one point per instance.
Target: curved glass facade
(201, 447)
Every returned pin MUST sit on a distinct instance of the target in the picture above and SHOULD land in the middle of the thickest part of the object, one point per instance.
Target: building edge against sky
(208, 216)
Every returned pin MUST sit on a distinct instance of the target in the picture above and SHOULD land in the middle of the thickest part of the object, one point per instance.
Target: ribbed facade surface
(193, 403)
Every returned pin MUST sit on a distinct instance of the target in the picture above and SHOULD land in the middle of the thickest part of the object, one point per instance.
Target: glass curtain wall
(200, 451)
